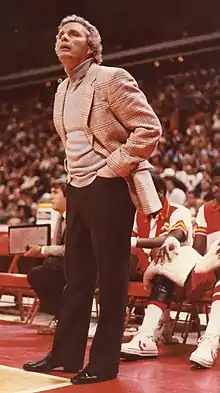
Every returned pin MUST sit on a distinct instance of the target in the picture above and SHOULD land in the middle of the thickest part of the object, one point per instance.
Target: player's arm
(200, 239)
(157, 241)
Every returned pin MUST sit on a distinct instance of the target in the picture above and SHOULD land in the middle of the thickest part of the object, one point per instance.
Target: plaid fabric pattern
(120, 124)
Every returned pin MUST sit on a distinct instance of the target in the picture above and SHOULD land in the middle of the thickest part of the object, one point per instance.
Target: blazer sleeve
(131, 108)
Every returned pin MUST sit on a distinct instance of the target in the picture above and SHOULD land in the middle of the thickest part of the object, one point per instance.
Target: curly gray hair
(94, 38)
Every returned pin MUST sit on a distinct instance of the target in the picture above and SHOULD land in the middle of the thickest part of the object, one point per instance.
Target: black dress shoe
(85, 377)
(41, 366)
(45, 365)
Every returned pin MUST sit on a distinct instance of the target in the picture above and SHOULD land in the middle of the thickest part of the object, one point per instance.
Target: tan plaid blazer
(120, 124)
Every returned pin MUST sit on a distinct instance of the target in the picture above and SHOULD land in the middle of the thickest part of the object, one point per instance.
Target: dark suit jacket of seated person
(48, 279)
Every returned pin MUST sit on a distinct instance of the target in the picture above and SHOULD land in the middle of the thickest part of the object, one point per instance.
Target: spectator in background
(190, 181)
(25, 214)
(174, 186)
(3, 214)
(216, 121)
(191, 203)
(204, 189)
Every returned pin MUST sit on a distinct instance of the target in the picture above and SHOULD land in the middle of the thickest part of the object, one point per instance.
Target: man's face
(58, 200)
(205, 185)
(169, 184)
(216, 188)
(191, 199)
(71, 44)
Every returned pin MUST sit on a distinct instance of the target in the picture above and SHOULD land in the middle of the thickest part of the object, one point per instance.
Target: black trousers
(99, 225)
(48, 282)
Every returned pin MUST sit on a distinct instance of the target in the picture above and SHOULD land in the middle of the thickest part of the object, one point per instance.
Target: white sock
(152, 316)
(213, 327)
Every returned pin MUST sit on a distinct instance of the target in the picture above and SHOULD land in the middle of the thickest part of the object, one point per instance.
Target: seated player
(172, 220)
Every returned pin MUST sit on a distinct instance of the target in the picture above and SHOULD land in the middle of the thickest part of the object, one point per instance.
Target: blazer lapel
(87, 98)
(59, 108)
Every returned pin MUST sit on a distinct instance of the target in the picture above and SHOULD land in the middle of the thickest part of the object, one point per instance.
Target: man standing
(109, 131)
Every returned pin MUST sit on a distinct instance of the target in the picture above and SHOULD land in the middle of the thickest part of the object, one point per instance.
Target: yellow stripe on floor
(15, 380)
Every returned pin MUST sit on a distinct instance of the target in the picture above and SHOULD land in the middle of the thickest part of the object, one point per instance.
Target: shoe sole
(196, 360)
(64, 369)
(91, 381)
(128, 353)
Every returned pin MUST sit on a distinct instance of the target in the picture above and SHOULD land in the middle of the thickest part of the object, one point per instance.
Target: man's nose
(65, 37)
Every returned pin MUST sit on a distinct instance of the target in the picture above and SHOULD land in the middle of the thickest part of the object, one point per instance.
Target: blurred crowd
(31, 156)
(31, 153)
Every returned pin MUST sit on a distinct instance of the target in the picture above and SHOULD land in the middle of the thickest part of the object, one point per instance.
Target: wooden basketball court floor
(169, 373)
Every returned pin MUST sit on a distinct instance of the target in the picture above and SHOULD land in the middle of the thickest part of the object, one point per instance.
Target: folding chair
(17, 284)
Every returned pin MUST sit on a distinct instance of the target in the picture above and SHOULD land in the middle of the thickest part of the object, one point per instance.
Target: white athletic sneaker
(206, 352)
(140, 345)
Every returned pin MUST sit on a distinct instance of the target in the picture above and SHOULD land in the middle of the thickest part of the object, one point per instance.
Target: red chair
(17, 284)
